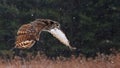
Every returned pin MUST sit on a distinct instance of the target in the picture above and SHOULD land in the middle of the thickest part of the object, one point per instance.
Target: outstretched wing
(26, 36)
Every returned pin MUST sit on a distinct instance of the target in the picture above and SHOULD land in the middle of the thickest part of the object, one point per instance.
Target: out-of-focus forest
(91, 25)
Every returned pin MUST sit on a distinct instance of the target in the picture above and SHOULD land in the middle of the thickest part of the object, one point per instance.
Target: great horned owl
(29, 33)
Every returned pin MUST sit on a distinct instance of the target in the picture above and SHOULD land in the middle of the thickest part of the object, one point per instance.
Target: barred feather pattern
(26, 36)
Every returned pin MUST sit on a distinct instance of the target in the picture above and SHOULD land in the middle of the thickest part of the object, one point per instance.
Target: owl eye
(57, 24)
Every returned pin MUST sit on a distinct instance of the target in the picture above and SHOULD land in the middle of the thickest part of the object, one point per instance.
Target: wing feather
(26, 36)
(25, 29)
(24, 41)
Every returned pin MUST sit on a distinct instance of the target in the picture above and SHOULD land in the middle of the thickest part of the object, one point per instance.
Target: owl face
(46, 23)
(50, 24)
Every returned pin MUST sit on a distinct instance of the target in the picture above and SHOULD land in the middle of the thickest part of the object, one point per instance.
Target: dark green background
(91, 25)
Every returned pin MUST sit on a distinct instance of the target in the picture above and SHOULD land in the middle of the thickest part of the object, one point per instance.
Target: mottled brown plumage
(29, 33)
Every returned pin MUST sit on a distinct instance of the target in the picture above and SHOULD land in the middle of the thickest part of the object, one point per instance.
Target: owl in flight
(29, 33)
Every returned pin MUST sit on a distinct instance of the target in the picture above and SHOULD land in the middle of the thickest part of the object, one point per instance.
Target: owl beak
(60, 35)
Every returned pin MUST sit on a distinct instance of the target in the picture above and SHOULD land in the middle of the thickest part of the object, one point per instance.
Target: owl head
(47, 23)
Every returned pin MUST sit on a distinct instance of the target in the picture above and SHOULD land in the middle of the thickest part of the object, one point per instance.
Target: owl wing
(26, 36)
(25, 29)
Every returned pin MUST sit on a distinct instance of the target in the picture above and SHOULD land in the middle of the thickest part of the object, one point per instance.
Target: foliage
(91, 25)
(41, 61)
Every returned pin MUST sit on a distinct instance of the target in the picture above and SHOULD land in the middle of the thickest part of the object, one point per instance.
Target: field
(41, 61)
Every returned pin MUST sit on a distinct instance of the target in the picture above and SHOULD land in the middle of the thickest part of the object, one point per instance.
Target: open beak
(56, 32)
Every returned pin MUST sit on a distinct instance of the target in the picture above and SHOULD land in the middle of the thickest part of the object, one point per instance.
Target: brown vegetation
(41, 61)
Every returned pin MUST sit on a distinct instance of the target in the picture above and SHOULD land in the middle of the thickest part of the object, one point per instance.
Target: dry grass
(101, 61)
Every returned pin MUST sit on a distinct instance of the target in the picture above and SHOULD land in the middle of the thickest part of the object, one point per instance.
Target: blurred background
(92, 26)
